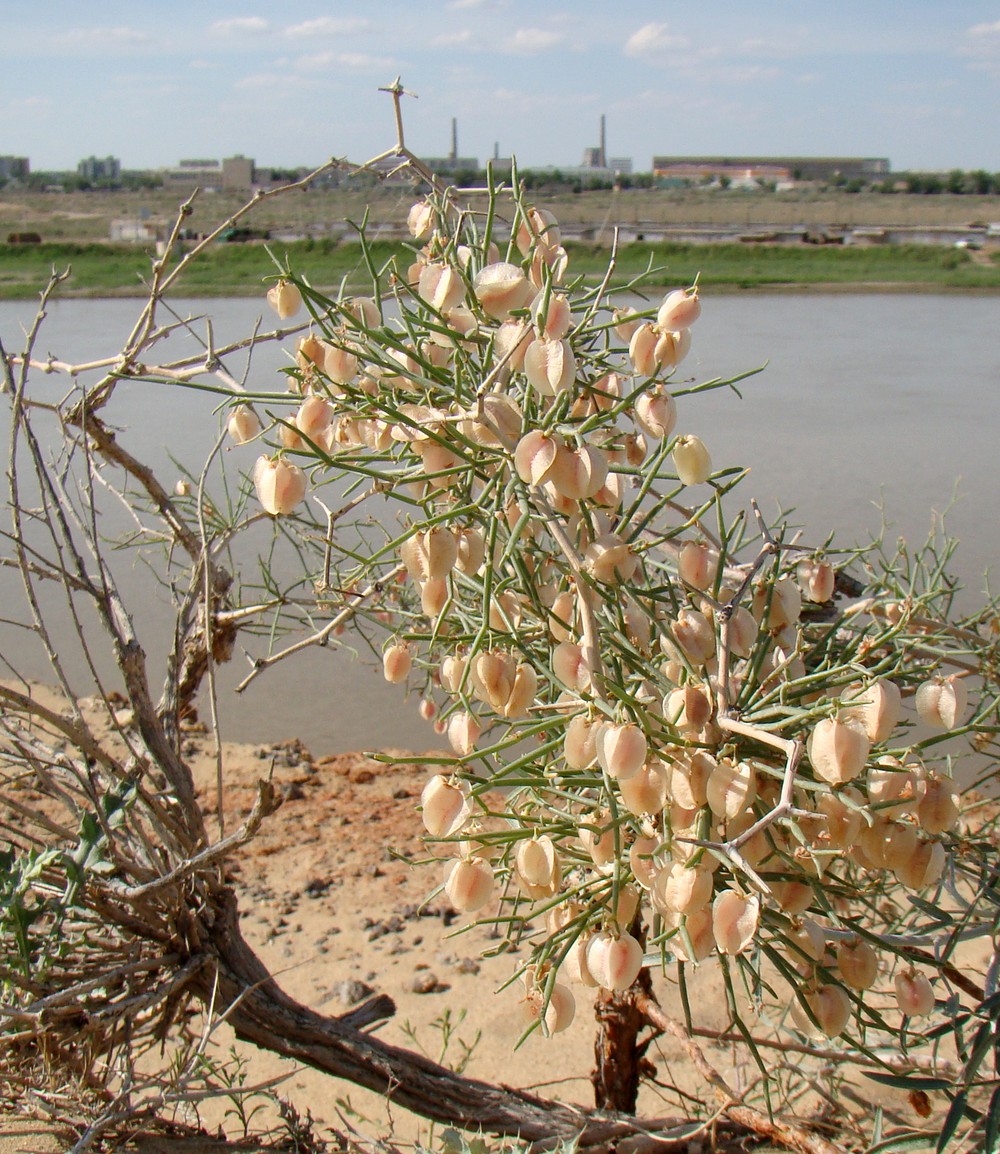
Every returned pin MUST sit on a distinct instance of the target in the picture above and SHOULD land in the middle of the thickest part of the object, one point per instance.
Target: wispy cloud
(240, 24)
(105, 37)
(327, 26)
(527, 41)
(452, 39)
(355, 61)
(652, 39)
(989, 29)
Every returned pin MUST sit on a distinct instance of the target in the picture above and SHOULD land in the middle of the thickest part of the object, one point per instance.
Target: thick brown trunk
(260, 1012)
(619, 1057)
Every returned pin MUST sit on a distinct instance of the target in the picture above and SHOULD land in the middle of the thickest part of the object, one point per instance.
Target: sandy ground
(334, 908)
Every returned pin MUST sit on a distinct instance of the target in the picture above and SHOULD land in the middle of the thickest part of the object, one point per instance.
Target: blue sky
(152, 81)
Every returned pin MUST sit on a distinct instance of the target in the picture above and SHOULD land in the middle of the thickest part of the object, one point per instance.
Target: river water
(868, 407)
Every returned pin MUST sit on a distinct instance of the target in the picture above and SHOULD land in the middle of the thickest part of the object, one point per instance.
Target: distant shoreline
(104, 270)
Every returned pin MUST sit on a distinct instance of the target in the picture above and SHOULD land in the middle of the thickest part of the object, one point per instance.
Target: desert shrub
(678, 735)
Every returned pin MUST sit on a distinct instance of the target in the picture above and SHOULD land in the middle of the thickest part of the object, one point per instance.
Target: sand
(334, 906)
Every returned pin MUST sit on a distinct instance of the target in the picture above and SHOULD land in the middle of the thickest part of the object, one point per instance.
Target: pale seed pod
(550, 366)
(340, 364)
(463, 733)
(452, 671)
(806, 937)
(901, 842)
(923, 867)
(427, 709)
(574, 965)
(742, 631)
(314, 417)
(570, 667)
(938, 809)
(731, 788)
(914, 994)
(690, 774)
(511, 342)
(690, 708)
(642, 350)
(697, 927)
(536, 868)
(891, 781)
(646, 791)
(816, 579)
(552, 316)
(621, 750)
(580, 742)
(397, 662)
(691, 460)
(734, 921)
(243, 425)
(696, 564)
(285, 298)
(694, 635)
(843, 822)
(500, 422)
(280, 485)
(445, 806)
(469, 884)
(600, 845)
(941, 702)
(433, 595)
(420, 220)
(640, 860)
(555, 1017)
(656, 413)
(492, 677)
(539, 227)
(614, 962)
(441, 286)
(470, 551)
(679, 889)
(838, 750)
(310, 352)
(623, 912)
(777, 606)
(877, 706)
(830, 1006)
(501, 288)
(793, 898)
(535, 456)
(182, 488)
(610, 559)
(857, 963)
(364, 310)
(505, 612)
(522, 692)
(607, 391)
(679, 310)
(625, 324)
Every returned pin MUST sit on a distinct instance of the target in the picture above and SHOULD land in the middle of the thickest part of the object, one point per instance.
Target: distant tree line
(957, 182)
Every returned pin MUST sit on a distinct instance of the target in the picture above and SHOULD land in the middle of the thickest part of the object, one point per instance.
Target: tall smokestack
(604, 150)
(454, 140)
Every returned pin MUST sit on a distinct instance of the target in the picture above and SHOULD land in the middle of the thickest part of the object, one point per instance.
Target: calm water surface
(868, 407)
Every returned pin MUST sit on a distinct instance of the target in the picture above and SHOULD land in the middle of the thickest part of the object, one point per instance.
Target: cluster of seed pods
(581, 640)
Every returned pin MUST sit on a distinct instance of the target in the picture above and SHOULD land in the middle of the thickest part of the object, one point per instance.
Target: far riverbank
(122, 270)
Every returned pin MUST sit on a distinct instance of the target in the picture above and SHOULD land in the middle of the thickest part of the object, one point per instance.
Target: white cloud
(992, 29)
(104, 37)
(327, 26)
(652, 39)
(526, 41)
(239, 24)
(356, 61)
(452, 39)
(458, 5)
